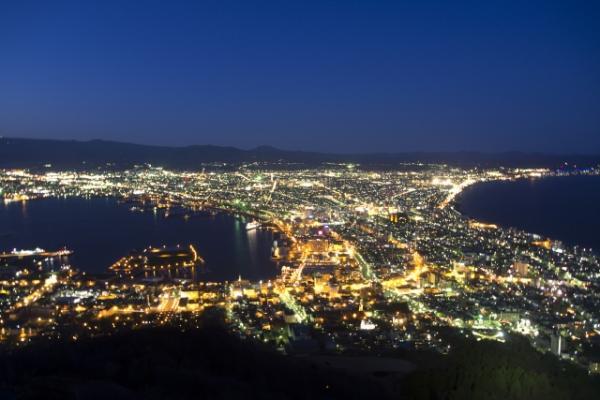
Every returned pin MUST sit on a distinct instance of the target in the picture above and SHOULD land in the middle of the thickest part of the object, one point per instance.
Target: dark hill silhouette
(498, 371)
(165, 363)
(63, 154)
(211, 363)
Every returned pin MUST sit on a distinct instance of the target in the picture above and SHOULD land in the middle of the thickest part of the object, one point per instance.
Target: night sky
(336, 76)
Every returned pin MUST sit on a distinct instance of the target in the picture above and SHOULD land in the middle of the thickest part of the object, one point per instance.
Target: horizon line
(317, 152)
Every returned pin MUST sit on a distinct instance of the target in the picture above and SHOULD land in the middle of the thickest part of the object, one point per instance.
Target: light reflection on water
(100, 231)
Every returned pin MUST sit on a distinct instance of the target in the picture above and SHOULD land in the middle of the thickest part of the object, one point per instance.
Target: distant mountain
(62, 154)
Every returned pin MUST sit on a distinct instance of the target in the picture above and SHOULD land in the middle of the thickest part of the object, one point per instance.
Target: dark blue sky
(339, 76)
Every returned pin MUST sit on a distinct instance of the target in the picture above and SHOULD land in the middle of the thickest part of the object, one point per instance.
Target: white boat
(252, 225)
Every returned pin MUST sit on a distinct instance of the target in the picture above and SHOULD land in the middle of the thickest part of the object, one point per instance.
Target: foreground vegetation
(210, 363)
(492, 370)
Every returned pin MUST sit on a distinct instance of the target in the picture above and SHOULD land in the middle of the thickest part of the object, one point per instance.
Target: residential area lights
(368, 260)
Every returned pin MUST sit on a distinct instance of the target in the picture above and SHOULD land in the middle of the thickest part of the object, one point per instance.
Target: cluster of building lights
(368, 260)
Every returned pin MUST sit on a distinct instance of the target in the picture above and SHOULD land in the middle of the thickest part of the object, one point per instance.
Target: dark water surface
(100, 231)
(561, 208)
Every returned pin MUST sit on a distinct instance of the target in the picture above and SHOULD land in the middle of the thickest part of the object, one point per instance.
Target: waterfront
(100, 231)
(561, 208)
(366, 257)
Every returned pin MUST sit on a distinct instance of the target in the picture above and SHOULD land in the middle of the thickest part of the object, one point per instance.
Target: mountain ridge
(61, 154)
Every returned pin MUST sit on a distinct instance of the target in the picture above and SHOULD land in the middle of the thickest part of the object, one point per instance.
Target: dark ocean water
(100, 231)
(561, 208)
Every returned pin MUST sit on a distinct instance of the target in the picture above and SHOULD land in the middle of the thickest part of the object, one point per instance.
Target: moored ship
(252, 225)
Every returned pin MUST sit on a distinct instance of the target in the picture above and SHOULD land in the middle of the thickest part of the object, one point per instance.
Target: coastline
(170, 236)
(496, 190)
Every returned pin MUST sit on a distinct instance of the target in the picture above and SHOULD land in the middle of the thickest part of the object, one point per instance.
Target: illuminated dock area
(18, 254)
(159, 258)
